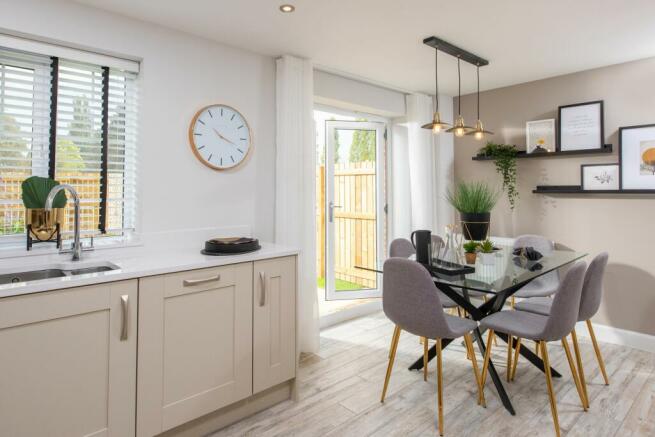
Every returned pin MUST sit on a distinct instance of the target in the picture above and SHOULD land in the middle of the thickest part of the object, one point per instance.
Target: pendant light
(459, 128)
(436, 125)
(479, 132)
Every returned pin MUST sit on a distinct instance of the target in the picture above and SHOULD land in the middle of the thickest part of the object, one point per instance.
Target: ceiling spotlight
(287, 8)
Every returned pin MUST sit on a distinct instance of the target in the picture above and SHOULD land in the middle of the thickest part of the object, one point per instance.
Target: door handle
(125, 315)
(262, 293)
(331, 207)
(190, 282)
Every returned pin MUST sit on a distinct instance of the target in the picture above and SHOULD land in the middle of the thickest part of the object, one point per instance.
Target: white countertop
(133, 262)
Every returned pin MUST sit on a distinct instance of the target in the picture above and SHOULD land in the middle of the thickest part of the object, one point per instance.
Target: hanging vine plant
(504, 156)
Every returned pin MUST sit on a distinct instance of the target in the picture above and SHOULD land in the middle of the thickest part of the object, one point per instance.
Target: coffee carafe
(422, 241)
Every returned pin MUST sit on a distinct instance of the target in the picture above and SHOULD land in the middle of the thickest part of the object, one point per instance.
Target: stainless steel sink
(59, 270)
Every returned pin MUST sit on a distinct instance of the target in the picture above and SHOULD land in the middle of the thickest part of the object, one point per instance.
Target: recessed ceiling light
(287, 8)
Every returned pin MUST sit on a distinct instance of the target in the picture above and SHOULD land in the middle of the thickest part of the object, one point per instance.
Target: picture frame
(581, 126)
(540, 136)
(604, 177)
(637, 157)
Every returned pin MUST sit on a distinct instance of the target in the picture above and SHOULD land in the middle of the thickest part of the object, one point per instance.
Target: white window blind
(94, 146)
(24, 130)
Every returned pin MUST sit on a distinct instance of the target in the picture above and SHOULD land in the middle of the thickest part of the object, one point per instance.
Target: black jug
(422, 241)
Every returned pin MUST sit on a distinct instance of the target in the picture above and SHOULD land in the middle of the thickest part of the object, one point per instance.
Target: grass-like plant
(486, 246)
(470, 246)
(35, 192)
(473, 197)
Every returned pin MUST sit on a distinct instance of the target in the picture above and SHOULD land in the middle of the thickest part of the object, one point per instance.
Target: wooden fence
(354, 222)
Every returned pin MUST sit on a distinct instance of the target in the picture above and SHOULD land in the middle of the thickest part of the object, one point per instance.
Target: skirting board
(622, 337)
(350, 313)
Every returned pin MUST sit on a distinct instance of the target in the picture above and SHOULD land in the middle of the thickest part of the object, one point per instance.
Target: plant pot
(43, 224)
(475, 226)
(470, 257)
(487, 258)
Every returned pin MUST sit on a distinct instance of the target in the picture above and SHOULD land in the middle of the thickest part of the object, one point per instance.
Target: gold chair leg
(599, 357)
(578, 359)
(392, 356)
(510, 340)
(536, 348)
(574, 373)
(476, 372)
(425, 359)
(439, 387)
(517, 351)
(549, 383)
(512, 302)
(459, 312)
(485, 365)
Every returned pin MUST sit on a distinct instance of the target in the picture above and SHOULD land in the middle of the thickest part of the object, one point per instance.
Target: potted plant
(470, 251)
(42, 223)
(487, 254)
(474, 201)
(504, 156)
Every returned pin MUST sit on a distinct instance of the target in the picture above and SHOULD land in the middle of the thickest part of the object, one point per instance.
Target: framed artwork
(581, 126)
(540, 136)
(637, 157)
(600, 176)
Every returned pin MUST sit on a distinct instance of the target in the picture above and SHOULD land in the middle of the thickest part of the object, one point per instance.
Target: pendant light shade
(479, 132)
(459, 128)
(436, 125)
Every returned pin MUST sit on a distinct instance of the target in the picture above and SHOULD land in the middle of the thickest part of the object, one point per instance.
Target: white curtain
(430, 160)
(295, 186)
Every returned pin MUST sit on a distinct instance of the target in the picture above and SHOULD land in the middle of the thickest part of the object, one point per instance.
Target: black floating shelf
(577, 189)
(607, 148)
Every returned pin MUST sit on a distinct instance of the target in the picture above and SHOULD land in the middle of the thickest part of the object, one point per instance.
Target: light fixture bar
(455, 51)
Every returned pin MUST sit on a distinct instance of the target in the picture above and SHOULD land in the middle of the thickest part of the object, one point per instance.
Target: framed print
(540, 136)
(581, 126)
(600, 176)
(637, 157)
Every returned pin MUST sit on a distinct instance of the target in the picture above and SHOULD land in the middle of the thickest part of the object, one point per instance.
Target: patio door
(354, 208)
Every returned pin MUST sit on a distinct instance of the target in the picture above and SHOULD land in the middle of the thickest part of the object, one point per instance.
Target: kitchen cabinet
(68, 363)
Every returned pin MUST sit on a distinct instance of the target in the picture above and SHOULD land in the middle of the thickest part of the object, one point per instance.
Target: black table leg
(494, 375)
(530, 356)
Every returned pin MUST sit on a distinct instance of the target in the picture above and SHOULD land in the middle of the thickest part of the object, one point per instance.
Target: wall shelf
(577, 189)
(606, 149)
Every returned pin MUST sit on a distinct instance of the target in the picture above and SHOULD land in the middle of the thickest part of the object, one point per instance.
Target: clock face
(220, 137)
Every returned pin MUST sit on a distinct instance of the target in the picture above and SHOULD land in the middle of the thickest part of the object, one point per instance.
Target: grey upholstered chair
(542, 329)
(411, 301)
(592, 293)
(403, 248)
(545, 285)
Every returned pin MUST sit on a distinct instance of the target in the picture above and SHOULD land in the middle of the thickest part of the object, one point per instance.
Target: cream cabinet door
(195, 345)
(68, 362)
(274, 322)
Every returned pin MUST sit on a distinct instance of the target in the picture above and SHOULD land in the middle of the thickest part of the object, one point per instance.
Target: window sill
(16, 249)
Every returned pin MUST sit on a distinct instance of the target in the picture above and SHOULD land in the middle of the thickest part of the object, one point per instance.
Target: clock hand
(222, 137)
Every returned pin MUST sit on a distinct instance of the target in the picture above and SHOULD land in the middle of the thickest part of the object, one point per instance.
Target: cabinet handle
(262, 294)
(190, 282)
(125, 313)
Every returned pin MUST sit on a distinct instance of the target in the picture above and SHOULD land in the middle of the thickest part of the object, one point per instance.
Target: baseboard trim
(622, 337)
(350, 313)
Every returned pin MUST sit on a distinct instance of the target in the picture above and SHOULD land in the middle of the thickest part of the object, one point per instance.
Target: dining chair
(542, 329)
(411, 301)
(592, 293)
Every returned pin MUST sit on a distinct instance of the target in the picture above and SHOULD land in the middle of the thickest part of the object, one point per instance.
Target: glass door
(355, 219)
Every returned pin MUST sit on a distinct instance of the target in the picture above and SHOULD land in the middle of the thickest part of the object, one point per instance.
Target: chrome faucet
(77, 246)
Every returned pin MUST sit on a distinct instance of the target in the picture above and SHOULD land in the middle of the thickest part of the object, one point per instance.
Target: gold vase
(44, 223)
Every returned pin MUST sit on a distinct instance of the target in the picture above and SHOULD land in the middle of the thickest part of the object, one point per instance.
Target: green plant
(486, 246)
(35, 191)
(504, 157)
(472, 197)
(470, 246)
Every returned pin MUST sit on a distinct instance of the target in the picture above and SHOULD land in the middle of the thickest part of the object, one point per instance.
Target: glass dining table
(485, 291)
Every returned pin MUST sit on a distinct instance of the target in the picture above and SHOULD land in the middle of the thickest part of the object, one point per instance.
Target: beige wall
(621, 225)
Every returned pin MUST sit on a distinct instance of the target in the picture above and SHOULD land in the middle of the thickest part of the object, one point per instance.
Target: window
(75, 122)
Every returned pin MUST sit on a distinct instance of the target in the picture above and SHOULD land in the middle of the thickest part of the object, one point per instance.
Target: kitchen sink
(59, 270)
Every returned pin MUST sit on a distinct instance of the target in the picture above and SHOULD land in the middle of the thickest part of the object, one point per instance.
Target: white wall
(179, 74)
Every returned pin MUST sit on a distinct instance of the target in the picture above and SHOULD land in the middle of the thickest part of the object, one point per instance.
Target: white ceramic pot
(487, 258)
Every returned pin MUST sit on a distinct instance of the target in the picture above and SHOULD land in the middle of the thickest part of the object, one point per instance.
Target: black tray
(244, 245)
(449, 268)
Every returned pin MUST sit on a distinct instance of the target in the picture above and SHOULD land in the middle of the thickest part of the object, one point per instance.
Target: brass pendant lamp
(479, 132)
(436, 125)
(459, 128)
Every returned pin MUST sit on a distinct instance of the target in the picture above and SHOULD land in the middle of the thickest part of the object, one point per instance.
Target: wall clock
(220, 137)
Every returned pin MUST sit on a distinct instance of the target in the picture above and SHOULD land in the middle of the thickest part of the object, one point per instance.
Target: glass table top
(506, 271)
